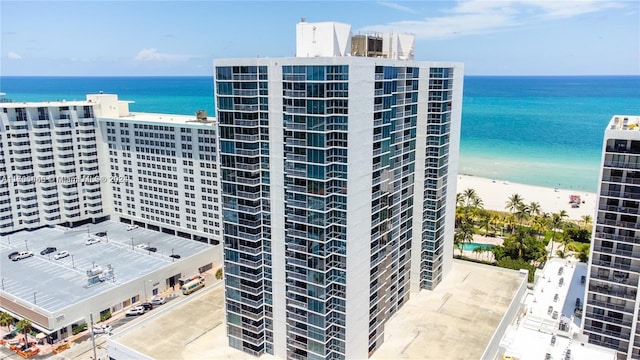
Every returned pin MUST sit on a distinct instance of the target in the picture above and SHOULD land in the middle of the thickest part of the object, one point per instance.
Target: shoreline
(495, 193)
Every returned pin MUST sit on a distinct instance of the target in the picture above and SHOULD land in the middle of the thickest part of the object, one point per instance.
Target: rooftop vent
(201, 115)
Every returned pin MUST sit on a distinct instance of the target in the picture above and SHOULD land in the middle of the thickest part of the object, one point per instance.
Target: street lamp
(26, 246)
(73, 264)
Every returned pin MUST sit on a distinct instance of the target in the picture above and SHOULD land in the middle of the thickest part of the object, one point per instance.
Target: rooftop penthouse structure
(338, 191)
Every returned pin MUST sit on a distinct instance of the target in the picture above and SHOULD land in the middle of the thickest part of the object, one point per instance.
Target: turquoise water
(544, 131)
(473, 246)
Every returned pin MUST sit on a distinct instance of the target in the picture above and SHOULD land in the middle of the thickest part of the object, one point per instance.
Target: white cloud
(470, 17)
(14, 56)
(396, 6)
(152, 54)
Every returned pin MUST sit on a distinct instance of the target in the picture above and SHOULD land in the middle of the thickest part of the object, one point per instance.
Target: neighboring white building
(611, 302)
(48, 165)
(158, 171)
(74, 163)
(169, 170)
(338, 178)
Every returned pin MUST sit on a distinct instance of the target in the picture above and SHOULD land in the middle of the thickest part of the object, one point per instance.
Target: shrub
(517, 264)
(80, 328)
(105, 316)
(219, 274)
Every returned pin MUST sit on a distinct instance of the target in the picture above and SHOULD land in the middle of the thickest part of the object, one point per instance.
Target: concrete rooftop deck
(456, 321)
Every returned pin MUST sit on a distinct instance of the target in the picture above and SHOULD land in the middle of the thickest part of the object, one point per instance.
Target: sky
(166, 38)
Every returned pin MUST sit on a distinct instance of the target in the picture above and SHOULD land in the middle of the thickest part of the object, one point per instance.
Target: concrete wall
(359, 180)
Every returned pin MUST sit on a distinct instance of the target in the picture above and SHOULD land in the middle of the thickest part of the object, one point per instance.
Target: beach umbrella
(40, 336)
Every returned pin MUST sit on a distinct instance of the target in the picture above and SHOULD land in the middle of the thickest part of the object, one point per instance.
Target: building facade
(80, 162)
(164, 169)
(611, 301)
(338, 186)
(49, 170)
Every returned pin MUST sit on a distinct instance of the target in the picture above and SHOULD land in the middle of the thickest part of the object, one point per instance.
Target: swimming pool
(473, 246)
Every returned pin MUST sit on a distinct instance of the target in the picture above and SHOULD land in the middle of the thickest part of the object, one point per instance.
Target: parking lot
(54, 284)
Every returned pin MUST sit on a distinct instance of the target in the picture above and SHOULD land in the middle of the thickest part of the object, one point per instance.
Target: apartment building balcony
(19, 146)
(51, 207)
(250, 276)
(249, 250)
(619, 209)
(248, 289)
(49, 190)
(296, 262)
(613, 290)
(23, 171)
(620, 238)
(624, 321)
(248, 263)
(18, 125)
(616, 251)
(624, 334)
(614, 265)
(621, 179)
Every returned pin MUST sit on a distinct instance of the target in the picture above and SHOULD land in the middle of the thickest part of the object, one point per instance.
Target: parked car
(102, 329)
(152, 249)
(549, 310)
(48, 250)
(61, 255)
(13, 254)
(553, 340)
(135, 311)
(22, 255)
(158, 301)
(9, 336)
(560, 270)
(578, 302)
(554, 315)
(555, 297)
(175, 256)
(147, 306)
(101, 234)
(132, 227)
(142, 246)
(91, 241)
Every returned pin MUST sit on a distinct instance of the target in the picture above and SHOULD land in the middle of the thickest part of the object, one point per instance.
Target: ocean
(542, 130)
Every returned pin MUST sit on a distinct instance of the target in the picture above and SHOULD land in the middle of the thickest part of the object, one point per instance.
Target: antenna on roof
(303, 19)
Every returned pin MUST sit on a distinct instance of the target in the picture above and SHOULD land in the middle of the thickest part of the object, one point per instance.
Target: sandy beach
(495, 193)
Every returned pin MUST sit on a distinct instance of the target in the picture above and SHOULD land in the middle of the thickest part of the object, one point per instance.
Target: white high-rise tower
(611, 302)
(338, 189)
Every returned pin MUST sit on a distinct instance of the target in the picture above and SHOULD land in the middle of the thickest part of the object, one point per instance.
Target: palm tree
(520, 237)
(586, 219)
(485, 223)
(25, 326)
(556, 224)
(478, 251)
(514, 201)
(6, 320)
(522, 212)
(534, 208)
(469, 195)
(463, 233)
